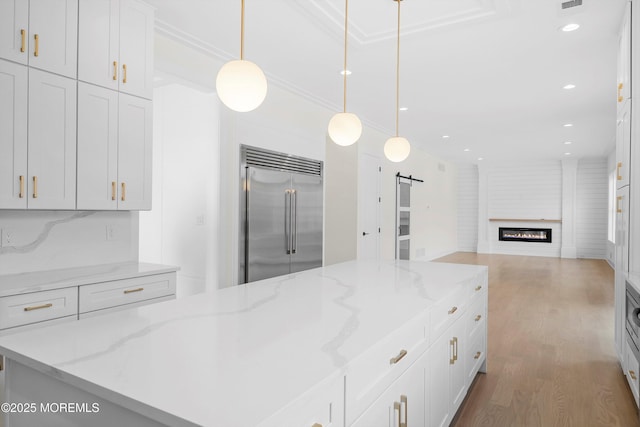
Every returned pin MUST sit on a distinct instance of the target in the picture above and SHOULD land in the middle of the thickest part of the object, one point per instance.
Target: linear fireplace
(524, 234)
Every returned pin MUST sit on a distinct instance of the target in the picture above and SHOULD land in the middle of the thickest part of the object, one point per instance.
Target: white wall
(467, 207)
(182, 228)
(592, 194)
(45, 240)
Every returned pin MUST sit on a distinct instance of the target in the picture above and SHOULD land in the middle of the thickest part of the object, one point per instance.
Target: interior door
(306, 250)
(267, 224)
(369, 208)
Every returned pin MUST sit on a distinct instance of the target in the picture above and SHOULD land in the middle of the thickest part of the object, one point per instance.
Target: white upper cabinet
(13, 135)
(53, 30)
(624, 60)
(116, 45)
(14, 27)
(623, 146)
(52, 141)
(134, 152)
(97, 147)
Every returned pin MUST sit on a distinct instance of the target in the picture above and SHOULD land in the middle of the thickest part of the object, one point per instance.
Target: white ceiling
(488, 73)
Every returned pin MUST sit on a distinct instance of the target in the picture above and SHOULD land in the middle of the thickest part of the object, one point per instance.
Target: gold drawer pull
(316, 425)
(123, 195)
(403, 399)
(620, 97)
(36, 52)
(453, 310)
(618, 177)
(124, 73)
(618, 199)
(478, 317)
(633, 375)
(38, 307)
(23, 40)
(35, 187)
(478, 287)
(113, 190)
(130, 291)
(115, 70)
(398, 358)
(21, 194)
(477, 356)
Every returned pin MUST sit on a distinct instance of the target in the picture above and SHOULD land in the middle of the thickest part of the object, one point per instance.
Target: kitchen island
(321, 347)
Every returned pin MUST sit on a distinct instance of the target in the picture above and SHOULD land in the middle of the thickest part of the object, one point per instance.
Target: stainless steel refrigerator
(281, 211)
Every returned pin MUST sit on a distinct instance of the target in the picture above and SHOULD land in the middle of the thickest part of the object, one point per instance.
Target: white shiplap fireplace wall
(572, 191)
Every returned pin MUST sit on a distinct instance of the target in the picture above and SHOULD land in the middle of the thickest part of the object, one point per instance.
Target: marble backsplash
(45, 240)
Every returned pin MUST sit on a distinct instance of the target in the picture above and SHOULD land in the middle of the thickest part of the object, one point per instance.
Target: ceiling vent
(571, 3)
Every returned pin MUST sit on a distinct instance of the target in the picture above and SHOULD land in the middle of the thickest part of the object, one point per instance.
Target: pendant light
(345, 128)
(397, 148)
(241, 84)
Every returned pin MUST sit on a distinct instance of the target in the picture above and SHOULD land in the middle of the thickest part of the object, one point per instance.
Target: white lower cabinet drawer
(370, 374)
(25, 309)
(103, 295)
(448, 310)
(633, 371)
(321, 406)
(475, 355)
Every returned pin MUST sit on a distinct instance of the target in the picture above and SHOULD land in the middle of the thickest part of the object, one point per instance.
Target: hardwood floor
(551, 356)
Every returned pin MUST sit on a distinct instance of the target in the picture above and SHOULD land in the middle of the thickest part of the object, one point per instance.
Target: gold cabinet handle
(455, 348)
(618, 177)
(114, 187)
(620, 97)
(618, 199)
(399, 357)
(316, 425)
(35, 187)
(36, 51)
(403, 399)
(478, 288)
(477, 356)
(478, 317)
(396, 407)
(23, 40)
(130, 291)
(124, 73)
(452, 359)
(115, 70)
(38, 307)
(21, 194)
(633, 375)
(123, 195)
(453, 310)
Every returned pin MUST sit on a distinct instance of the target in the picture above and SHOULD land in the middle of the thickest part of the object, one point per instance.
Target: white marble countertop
(12, 284)
(237, 356)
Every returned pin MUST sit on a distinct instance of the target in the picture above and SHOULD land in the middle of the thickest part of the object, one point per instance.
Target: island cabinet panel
(402, 403)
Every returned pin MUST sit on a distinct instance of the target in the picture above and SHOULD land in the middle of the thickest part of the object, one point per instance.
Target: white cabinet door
(52, 141)
(97, 148)
(136, 48)
(624, 59)
(458, 372)
(623, 146)
(439, 384)
(134, 153)
(13, 135)
(14, 30)
(98, 42)
(402, 404)
(53, 30)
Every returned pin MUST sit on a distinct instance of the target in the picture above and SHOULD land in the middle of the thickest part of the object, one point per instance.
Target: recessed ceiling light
(445, 136)
(348, 72)
(467, 149)
(568, 125)
(570, 27)
(568, 143)
(404, 108)
(569, 86)
(480, 159)
(567, 154)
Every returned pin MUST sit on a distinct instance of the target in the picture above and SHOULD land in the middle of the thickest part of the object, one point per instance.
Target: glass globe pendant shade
(397, 148)
(345, 128)
(241, 85)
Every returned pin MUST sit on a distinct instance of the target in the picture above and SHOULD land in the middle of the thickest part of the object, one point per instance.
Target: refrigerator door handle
(287, 219)
(294, 236)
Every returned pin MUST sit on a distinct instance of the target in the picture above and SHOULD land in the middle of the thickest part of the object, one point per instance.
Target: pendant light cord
(344, 70)
(398, 73)
(242, 30)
